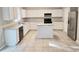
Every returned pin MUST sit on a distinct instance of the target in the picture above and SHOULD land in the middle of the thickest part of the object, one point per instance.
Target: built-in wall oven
(47, 18)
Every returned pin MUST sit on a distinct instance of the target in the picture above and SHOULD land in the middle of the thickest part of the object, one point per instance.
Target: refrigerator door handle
(68, 21)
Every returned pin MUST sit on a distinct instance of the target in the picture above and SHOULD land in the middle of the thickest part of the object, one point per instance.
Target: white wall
(78, 28)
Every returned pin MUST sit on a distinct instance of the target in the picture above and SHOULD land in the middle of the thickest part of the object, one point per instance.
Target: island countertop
(42, 24)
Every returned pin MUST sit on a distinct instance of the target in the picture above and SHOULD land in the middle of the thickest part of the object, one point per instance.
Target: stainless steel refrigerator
(72, 25)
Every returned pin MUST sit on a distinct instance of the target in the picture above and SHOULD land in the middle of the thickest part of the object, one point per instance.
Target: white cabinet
(33, 25)
(8, 13)
(57, 13)
(34, 13)
(11, 13)
(23, 12)
(40, 12)
(58, 25)
(45, 31)
(2, 41)
(11, 37)
(26, 27)
(18, 13)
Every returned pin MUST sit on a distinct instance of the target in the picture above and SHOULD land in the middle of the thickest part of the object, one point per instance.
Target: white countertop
(42, 24)
(14, 27)
(7, 25)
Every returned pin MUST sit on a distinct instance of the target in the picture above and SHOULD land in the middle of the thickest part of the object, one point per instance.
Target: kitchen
(17, 22)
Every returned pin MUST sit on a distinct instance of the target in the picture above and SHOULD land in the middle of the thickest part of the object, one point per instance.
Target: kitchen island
(13, 33)
(2, 34)
(45, 31)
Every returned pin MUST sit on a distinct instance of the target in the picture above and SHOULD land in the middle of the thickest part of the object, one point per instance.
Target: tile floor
(60, 43)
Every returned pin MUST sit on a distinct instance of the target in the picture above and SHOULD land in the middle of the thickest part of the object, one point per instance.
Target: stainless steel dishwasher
(20, 33)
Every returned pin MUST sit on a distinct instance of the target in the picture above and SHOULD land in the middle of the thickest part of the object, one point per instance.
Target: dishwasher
(20, 33)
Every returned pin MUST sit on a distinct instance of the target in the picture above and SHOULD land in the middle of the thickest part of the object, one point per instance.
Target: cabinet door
(8, 13)
(58, 25)
(2, 41)
(12, 15)
(26, 28)
(45, 31)
(0, 37)
(10, 37)
(23, 12)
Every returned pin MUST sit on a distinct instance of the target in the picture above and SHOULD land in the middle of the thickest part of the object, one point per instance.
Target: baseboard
(33, 29)
(53, 29)
(58, 29)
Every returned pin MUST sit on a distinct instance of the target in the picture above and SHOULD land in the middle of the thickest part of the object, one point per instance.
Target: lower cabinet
(2, 41)
(13, 35)
(56, 25)
(34, 25)
(26, 28)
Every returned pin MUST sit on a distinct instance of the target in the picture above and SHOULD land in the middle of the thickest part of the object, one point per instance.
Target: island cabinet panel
(2, 40)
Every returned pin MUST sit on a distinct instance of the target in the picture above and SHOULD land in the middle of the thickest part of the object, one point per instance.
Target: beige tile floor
(30, 43)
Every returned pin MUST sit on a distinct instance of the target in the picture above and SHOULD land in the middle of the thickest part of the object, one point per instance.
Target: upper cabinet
(23, 12)
(57, 13)
(18, 13)
(11, 13)
(8, 13)
(40, 12)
